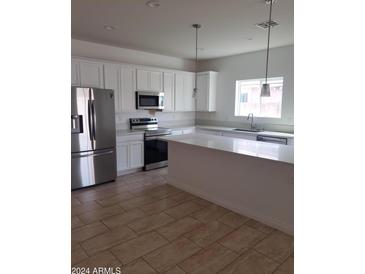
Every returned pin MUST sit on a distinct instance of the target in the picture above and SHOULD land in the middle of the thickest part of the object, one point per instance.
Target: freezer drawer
(90, 168)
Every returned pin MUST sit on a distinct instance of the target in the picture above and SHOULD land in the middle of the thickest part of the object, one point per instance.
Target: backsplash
(165, 119)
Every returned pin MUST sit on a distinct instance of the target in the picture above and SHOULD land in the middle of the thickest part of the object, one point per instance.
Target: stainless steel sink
(247, 129)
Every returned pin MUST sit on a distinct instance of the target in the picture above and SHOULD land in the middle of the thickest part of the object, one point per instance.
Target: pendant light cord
(268, 43)
(196, 26)
(196, 59)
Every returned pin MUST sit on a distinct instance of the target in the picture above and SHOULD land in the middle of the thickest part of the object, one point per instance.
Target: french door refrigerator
(93, 158)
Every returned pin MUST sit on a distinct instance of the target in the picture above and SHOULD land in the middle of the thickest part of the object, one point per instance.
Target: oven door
(155, 153)
(150, 100)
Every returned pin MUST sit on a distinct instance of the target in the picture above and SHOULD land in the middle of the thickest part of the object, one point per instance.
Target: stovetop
(149, 126)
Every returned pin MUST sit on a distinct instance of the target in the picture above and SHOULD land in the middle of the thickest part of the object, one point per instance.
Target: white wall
(251, 66)
(92, 50)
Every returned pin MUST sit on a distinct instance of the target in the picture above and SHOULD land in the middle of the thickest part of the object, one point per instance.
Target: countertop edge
(168, 139)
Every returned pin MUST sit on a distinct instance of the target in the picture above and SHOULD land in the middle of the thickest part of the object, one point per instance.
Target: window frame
(261, 81)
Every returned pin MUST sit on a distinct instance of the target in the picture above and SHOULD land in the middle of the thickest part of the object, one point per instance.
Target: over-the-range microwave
(149, 100)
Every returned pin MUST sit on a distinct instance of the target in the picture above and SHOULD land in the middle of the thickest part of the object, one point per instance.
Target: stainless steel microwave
(149, 100)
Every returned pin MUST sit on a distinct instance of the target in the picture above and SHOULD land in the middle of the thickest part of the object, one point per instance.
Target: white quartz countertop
(275, 152)
(231, 129)
(123, 132)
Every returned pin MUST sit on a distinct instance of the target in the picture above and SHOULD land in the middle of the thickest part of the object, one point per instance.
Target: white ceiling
(227, 25)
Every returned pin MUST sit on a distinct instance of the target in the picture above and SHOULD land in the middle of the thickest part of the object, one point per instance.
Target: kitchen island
(252, 178)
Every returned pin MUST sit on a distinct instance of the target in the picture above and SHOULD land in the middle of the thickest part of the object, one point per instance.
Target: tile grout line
(143, 259)
(281, 264)
(149, 193)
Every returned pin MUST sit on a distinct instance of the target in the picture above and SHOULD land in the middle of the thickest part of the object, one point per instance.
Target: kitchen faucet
(248, 118)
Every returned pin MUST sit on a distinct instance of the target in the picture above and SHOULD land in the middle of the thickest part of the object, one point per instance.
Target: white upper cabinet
(121, 78)
(125, 80)
(112, 79)
(148, 80)
(75, 73)
(207, 86)
(87, 73)
(128, 86)
(184, 91)
(91, 74)
(142, 79)
(168, 89)
(189, 92)
(156, 81)
(179, 92)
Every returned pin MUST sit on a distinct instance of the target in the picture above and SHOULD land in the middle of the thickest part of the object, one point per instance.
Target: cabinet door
(179, 92)
(189, 99)
(91, 74)
(112, 73)
(136, 154)
(122, 156)
(75, 73)
(202, 96)
(143, 80)
(128, 90)
(168, 89)
(155, 81)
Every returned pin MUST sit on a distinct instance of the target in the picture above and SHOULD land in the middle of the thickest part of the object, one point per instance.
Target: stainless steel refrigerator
(93, 158)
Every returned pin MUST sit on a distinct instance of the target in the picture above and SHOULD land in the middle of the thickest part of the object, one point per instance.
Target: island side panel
(258, 188)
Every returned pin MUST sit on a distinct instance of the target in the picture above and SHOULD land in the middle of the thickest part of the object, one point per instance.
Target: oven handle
(155, 137)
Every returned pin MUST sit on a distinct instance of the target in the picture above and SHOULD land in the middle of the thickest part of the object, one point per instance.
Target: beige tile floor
(144, 225)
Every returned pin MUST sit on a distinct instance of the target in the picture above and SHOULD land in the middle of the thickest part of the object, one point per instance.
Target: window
(248, 99)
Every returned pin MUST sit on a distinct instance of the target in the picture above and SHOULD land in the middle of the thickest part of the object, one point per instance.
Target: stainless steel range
(155, 150)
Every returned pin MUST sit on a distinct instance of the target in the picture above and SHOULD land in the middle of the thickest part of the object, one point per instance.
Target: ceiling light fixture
(196, 27)
(153, 3)
(265, 89)
(109, 27)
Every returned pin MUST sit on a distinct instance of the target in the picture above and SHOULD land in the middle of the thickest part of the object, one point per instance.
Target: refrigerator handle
(89, 112)
(93, 118)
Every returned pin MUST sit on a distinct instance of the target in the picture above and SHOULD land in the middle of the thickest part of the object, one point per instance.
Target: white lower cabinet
(122, 156)
(136, 154)
(130, 153)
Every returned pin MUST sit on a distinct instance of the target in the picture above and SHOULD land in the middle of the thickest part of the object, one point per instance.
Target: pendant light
(196, 26)
(265, 89)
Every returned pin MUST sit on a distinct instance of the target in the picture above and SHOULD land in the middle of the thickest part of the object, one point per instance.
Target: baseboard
(129, 171)
(287, 228)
